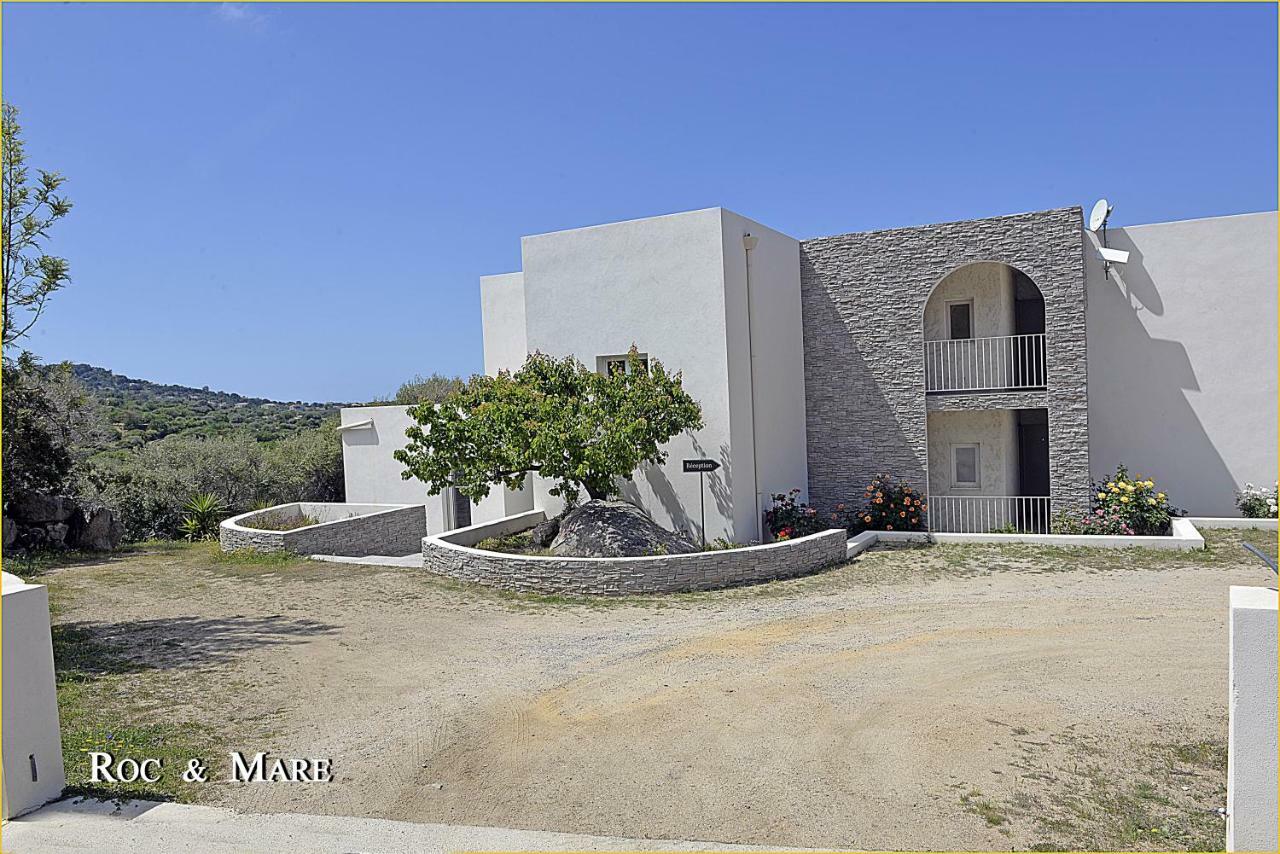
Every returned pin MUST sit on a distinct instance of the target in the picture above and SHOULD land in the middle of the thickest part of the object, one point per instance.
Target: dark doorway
(461, 510)
(1033, 452)
(1028, 319)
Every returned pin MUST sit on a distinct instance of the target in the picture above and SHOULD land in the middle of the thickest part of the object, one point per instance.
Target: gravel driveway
(948, 697)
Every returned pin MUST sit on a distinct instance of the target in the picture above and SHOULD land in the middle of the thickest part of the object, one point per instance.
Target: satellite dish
(1098, 217)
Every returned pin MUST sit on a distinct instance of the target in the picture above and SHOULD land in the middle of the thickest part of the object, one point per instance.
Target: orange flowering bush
(889, 505)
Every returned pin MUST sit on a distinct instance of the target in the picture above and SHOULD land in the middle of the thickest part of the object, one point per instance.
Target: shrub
(1135, 502)
(789, 518)
(151, 484)
(1093, 522)
(890, 505)
(1256, 503)
(204, 512)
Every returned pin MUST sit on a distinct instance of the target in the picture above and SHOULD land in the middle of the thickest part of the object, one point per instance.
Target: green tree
(50, 426)
(432, 389)
(573, 426)
(30, 275)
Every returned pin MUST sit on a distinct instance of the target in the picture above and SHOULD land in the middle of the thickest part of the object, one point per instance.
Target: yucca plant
(204, 512)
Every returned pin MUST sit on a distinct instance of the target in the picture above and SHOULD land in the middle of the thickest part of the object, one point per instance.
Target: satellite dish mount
(1098, 222)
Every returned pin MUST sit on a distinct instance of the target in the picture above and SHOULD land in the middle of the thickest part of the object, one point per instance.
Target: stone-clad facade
(863, 298)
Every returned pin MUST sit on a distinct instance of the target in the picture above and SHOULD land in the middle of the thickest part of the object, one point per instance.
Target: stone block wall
(863, 298)
(629, 575)
(385, 529)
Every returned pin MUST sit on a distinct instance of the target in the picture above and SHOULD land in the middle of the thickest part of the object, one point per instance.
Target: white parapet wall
(1251, 742)
(1184, 537)
(32, 748)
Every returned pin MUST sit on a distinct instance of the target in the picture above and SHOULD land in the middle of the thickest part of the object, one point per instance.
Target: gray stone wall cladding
(388, 532)
(863, 297)
(624, 576)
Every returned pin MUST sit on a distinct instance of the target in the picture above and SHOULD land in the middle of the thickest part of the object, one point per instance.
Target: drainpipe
(749, 243)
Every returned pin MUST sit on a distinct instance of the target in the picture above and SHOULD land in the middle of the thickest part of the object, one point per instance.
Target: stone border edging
(385, 528)
(452, 554)
(1185, 537)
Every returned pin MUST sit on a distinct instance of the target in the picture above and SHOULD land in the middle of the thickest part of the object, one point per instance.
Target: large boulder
(544, 533)
(33, 507)
(615, 529)
(97, 529)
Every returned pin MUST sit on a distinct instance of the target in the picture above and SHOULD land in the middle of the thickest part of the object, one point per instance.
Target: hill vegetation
(141, 411)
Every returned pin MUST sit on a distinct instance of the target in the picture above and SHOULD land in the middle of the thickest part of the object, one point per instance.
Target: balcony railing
(984, 514)
(983, 364)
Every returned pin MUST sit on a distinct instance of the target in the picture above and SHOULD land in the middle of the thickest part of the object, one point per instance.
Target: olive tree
(577, 428)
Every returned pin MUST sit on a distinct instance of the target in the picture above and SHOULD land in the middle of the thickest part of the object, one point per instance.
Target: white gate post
(32, 748)
(1251, 738)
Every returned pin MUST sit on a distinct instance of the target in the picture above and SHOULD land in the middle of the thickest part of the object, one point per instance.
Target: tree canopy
(570, 425)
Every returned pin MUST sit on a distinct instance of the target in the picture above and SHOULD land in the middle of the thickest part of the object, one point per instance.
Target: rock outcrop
(33, 522)
(615, 529)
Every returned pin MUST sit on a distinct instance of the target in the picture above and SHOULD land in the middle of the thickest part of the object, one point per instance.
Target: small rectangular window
(612, 366)
(964, 465)
(960, 320)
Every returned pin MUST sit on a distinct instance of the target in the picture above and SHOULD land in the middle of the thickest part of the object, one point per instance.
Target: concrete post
(32, 748)
(1251, 741)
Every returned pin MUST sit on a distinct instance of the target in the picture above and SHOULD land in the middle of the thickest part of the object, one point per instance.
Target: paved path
(145, 826)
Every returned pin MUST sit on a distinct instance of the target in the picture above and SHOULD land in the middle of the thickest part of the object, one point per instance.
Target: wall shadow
(1139, 411)
(84, 651)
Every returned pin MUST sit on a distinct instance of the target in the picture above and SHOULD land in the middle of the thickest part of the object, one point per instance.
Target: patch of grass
(520, 543)
(973, 802)
(252, 557)
(173, 744)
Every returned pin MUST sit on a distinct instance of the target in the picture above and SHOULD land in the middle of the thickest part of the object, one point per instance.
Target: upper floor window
(615, 365)
(960, 319)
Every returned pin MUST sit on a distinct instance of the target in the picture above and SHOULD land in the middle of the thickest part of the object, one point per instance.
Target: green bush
(150, 485)
(890, 505)
(203, 514)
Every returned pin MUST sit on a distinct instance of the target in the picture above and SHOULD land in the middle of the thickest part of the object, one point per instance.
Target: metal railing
(984, 514)
(976, 364)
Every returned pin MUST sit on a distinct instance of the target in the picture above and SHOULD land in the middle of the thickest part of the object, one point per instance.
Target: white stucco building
(996, 363)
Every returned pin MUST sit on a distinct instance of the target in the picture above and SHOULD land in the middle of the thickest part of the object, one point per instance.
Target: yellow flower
(1124, 499)
(1151, 501)
(1130, 487)
(1150, 484)
(1111, 484)
(1160, 495)
(1102, 495)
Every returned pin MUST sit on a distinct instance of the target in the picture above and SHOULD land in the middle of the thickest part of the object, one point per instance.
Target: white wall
(372, 474)
(766, 367)
(657, 283)
(995, 430)
(30, 724)
(1182, 358)
(1251, 740)
(503, 322)
(505, 349)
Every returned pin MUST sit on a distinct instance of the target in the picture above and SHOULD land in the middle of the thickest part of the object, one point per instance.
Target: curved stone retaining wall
(351, 530)
(451, 554)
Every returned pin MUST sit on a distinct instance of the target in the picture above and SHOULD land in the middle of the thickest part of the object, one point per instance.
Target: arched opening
(984, 333)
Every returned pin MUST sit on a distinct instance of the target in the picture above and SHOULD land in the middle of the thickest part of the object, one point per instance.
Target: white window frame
(976, 483)
(602, 362)
(972, 330)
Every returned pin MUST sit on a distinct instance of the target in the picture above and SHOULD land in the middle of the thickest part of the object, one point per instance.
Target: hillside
(142, 411)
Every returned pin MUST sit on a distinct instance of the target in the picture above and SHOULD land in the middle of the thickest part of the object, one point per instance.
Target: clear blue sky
(296, 201)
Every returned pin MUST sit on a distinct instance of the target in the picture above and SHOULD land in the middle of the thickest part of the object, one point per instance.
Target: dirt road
(942, 698)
